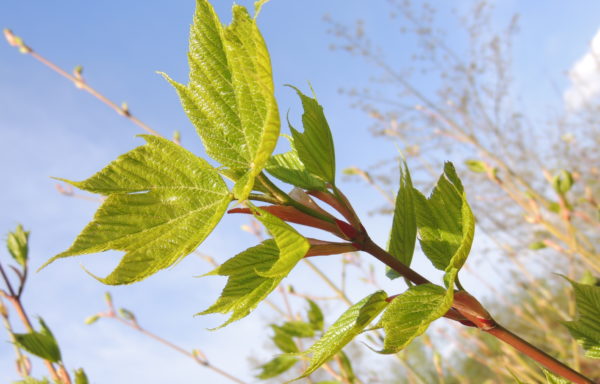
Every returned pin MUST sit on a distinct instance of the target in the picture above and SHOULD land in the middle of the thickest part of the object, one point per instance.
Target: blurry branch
(77, 79)
(17, 244)
(127, 318)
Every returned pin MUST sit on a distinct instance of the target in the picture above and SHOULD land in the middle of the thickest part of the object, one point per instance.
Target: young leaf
(41, 344)
(315, 144)
(162, 202)
(230, 95)
(17, 244)
(410, 314)
(277, 366)
(315, 315)
(288, 168)
(347, 327)
(586, 328)
(292, 245)
(31, 380)
(445, 221)
(298, 329)
(283, 340)
(245, 288)
(81, 377)
(404, 226)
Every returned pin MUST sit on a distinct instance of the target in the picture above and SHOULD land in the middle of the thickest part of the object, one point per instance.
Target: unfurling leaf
(230, 95)
(288, 168)
(403, 235)
(410, 314)
(445, 221)
(277, 366)
(346, 327)
(563, 182)
(162, 202)
(586, 327)
(17, 243)
(315, 145)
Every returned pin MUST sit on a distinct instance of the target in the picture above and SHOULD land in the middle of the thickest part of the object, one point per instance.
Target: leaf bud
(18, 245)
(126, 314)
(91, 319)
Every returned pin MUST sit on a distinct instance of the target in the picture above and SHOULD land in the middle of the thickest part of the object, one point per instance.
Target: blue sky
(49, 128)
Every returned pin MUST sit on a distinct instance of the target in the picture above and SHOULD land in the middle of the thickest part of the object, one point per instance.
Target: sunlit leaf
(162, 203)
(586, 327)
(410, 314)
(553, 379)
(346, 327)
(403, 235)
(315, 144)
(81, 377)
(445, 222)
(288, 168)
(292, 245)
(230, 95)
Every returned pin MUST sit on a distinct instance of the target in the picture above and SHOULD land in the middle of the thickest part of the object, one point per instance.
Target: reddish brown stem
(538, 355)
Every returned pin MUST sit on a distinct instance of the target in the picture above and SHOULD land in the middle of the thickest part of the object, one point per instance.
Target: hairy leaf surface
(586, 328)
(230, 95)
(445, 221)
(162, 201)
(410, 314)
(346, 327)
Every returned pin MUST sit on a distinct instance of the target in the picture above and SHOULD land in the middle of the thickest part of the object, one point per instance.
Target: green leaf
(292, 245)
(41, 344)
(563, 182)
(476, 166)
(283, 340)
(31, 380)
(315, 315)
(162, 202)
(315, 144)
(288, 168)
(586, 327)
(346, 367)
(230, 94)
(256, 272)
(81, 377)
(17, 243)
(346, 327)
(445, 221)
(245, 288)
(553, 379)
(298, 329)
(410, 314)
(277, 366)
(403, 236)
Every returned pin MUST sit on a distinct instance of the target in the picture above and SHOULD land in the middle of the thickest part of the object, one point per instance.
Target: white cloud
(584, 76)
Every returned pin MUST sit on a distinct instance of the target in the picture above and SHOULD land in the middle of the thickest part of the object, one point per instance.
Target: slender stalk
(490, 326)
(538, 355)
(175, 347)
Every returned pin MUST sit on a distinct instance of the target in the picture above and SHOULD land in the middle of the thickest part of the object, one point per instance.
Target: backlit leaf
(586, 327)
(230, 95)
(41, 344)
(404, 226)
(315, 144)
(346, 327)
(445, 222)
(292, 245)
(162, 201)
(410, 314)
(288, 168)
(553, 379)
